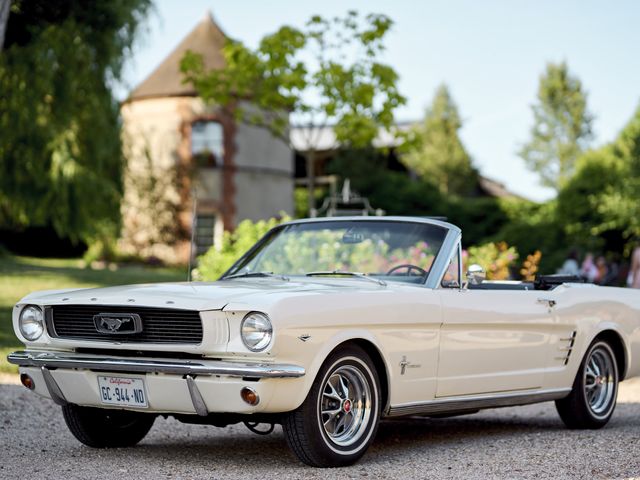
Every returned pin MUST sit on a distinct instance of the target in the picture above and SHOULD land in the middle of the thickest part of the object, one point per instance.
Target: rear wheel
(339, 418)
(102, 428)
(595, 389)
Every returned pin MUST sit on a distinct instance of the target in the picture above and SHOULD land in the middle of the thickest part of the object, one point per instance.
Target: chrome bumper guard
(190, 369)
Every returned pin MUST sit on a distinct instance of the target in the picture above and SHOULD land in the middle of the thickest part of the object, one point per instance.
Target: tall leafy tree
(621, 204)
(327, 73)
(60, 153)
(561, 129)
(600, 205)
(435, 151)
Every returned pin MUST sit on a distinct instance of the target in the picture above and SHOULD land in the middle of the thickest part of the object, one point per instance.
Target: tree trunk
(311, 181)
(4, 18)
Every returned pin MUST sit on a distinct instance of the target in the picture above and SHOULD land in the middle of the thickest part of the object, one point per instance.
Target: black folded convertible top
(549, 282)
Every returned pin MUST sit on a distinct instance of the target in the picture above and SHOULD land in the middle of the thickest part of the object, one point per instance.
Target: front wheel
(339, 418)
(102, 428)
(595, 389)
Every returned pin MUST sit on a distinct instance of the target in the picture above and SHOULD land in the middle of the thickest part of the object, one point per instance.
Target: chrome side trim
(137, 365)
(462, 404)
(196, 397)
(54, 390)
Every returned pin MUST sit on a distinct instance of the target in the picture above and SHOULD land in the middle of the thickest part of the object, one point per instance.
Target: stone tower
(181, 152)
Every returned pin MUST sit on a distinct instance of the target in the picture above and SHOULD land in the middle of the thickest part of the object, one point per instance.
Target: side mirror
(476, 274)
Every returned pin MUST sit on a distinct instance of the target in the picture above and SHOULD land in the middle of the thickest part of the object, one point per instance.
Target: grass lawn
(21, 275)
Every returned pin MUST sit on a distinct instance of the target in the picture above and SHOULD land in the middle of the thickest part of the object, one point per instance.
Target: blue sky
(490, 54)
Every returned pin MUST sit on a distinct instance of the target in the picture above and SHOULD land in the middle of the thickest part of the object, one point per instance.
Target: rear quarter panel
(590, 310)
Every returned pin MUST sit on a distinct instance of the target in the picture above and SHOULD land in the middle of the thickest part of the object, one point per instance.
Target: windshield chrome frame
(440, 263)
(455, 249)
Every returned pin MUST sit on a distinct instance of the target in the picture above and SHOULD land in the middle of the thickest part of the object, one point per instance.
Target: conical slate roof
(166, 80)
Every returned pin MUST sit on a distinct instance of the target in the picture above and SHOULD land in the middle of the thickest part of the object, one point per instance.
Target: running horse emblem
(118, 323)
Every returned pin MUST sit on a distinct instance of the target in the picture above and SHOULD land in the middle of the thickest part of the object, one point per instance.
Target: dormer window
(207, 143)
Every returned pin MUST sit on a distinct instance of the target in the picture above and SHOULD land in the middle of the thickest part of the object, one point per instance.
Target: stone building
(182, 153)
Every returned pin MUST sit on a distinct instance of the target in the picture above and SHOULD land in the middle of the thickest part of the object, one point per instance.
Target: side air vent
(566, 347)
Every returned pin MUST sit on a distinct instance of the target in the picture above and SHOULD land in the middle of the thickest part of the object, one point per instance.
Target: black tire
(102, 428)
(305, 429)
(593, 397)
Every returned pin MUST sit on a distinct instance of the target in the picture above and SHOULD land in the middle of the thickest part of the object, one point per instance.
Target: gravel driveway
(518, 442)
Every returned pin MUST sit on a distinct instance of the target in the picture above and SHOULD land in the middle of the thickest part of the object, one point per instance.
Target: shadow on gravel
(231, 446)
(394, 437)
(529, 433)
(397, 438)
(422, 432)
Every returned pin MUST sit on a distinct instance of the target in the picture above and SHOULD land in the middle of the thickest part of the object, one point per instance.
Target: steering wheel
(410, 268)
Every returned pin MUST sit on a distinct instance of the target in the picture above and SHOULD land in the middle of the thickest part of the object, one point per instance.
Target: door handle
(547, 301)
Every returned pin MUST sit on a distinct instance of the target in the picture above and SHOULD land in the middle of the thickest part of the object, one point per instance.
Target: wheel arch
(378, 361)
(368, 343)
(303, 428)
(613, 338)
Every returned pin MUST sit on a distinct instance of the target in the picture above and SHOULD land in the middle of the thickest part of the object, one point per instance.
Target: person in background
(633, 280)
(589, 271)
(602, 270)
(612, 278)
(570, 265)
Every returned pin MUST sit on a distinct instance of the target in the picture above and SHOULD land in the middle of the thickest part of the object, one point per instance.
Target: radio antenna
(194, 226)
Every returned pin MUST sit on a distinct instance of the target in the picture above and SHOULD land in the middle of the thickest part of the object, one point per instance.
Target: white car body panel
(492, 341)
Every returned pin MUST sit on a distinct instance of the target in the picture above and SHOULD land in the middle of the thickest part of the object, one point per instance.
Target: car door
(493, 341)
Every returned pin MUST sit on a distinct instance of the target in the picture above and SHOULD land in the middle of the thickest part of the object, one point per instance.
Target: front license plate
(129, 392)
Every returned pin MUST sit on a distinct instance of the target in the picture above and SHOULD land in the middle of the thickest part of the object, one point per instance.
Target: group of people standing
(601, 271)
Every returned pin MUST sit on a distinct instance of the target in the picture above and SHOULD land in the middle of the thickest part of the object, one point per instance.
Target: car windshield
(386, 250)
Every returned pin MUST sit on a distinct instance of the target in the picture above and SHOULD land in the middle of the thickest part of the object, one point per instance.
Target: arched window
(207, 143)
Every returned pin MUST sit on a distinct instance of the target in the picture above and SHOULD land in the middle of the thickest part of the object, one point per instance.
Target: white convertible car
(327, 326)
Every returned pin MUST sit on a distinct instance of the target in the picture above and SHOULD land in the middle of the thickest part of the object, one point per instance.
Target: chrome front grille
(159, 325)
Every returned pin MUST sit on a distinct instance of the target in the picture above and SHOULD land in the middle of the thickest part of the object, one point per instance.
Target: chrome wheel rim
(345, 405)
(600, 381)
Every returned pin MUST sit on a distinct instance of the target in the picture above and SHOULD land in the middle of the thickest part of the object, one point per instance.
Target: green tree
(621, 203)
(579, 201)
(532, 227)
(328, 73)
(600, 205)
(398, 194)
(562, 126)
(435, 151)
(60, 153)
(218, 260)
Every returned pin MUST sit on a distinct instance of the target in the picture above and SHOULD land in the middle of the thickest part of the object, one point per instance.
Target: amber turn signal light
(250, 396)
(27, 381)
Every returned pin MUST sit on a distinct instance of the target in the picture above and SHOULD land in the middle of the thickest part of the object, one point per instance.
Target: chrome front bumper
(137, 365)
(46, 362)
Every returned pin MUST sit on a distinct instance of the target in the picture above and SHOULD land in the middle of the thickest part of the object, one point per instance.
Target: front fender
(311, 354)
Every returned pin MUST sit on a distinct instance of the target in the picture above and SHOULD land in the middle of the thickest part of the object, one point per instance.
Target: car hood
(199, 295)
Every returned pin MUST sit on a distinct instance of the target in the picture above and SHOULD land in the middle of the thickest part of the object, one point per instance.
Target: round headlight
(31, 322)
(256, 331)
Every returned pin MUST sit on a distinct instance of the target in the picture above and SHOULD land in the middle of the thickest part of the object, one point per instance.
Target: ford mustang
(326, 326)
